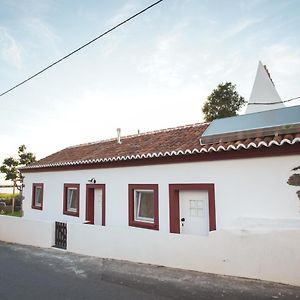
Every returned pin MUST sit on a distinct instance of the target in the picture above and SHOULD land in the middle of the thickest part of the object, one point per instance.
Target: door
(194, 217)
(95, 204)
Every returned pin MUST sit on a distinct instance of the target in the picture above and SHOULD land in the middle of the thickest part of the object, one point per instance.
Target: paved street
(35, 273)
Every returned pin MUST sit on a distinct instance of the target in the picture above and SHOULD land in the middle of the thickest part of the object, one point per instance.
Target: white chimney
(263, 91)
(119, 135)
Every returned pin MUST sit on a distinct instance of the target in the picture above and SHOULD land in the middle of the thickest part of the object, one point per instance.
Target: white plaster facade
(257, 215)
(248, 192)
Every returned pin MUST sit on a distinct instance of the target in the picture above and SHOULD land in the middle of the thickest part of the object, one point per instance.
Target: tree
(295, 180)
(224, 101)
(10, 167)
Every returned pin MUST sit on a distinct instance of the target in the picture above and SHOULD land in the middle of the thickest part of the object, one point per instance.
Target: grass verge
(15, 214)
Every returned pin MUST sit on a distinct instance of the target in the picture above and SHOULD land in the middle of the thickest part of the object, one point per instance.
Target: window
(196, 208)
(71, 199)
(143, 206)
(37, 195)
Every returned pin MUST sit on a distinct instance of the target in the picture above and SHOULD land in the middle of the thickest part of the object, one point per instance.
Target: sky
(154, 72)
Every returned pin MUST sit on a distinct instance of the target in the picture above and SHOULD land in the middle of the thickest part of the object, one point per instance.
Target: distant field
(5, 196)
(6, 190)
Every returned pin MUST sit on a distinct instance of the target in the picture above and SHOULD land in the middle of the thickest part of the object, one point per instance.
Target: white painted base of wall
(26, 232)
(262, 254)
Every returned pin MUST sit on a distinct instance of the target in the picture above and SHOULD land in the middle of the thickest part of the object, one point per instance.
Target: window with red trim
(143, 205)
(37, 196)
(71, 199)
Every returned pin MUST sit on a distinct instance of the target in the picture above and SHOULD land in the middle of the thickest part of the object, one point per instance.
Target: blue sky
(154, 72)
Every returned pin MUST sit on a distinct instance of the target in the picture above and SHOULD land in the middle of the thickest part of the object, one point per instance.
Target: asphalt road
(35, 273)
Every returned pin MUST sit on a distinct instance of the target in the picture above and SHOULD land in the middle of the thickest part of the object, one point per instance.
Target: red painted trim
(33, 203)
(65, 211)
(132, 221)
(222, 155)
(89, 206)
(174, 210)
(90, 188)
(174, 203)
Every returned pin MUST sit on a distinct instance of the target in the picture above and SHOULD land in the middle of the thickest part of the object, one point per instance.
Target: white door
(194, 217)
(97, 206)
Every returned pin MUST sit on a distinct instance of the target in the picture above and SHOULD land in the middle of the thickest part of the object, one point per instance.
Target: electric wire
(83, 46)
(271, 103)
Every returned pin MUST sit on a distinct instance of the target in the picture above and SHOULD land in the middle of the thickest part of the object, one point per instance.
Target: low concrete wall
(266, 255)
(26, 232)
(272, 255)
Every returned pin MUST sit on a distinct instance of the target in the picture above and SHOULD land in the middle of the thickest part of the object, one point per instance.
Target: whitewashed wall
(246, 189)
(258, 218)
(26, 232)
(263, 254)
(266, 255)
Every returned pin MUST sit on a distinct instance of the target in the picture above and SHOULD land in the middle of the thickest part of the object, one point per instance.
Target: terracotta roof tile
(277, 138)
(182, 140)
(288, 137)
(268, 139)
(257, 141)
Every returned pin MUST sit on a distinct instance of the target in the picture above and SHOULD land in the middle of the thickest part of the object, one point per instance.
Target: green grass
(15, 214)
(7, 196)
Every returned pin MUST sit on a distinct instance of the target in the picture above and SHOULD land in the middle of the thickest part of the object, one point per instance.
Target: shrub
(7, 198)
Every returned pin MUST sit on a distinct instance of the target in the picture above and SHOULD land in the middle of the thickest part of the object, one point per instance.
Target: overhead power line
(83, 46)
(271, 103)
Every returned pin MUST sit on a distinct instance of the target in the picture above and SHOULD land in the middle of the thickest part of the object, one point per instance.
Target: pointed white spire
(263, 91)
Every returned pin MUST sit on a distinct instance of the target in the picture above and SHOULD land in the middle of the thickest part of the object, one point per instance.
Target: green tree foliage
(10, 165)
(295, 180)
(224, 101)
(25, 158)
(10, 168)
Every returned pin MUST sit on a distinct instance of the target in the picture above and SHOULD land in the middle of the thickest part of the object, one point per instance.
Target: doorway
(192, 208)
(95, 204)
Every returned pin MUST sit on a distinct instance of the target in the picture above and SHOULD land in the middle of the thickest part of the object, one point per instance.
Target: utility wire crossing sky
(151, 74)
(83, 46)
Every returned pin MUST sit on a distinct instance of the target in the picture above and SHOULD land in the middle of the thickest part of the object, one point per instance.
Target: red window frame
(174, 203)
(33, 203)
(65, 208)
(141, 224)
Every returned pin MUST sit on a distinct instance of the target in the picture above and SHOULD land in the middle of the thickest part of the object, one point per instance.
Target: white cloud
(166, 63)
(30, 7)
(283, 61)
(10, 50)
(42, 32)
(123, 13)
(283, 58)
(239, 28)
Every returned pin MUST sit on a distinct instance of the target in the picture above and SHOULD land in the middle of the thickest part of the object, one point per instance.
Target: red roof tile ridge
(264, 142)
(140, 134)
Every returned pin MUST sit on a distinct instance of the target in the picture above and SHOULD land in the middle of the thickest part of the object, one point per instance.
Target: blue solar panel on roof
(269, 122)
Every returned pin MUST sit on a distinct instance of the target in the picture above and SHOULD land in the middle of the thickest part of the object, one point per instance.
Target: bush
(7, 198)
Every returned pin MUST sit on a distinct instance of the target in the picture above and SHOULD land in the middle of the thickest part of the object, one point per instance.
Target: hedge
(7, 198)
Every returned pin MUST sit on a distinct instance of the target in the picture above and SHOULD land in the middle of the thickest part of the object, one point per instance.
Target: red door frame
(174, 203)
(89, 212)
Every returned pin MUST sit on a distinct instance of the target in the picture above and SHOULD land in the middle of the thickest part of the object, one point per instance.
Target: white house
(155, 180)
(196, 197)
